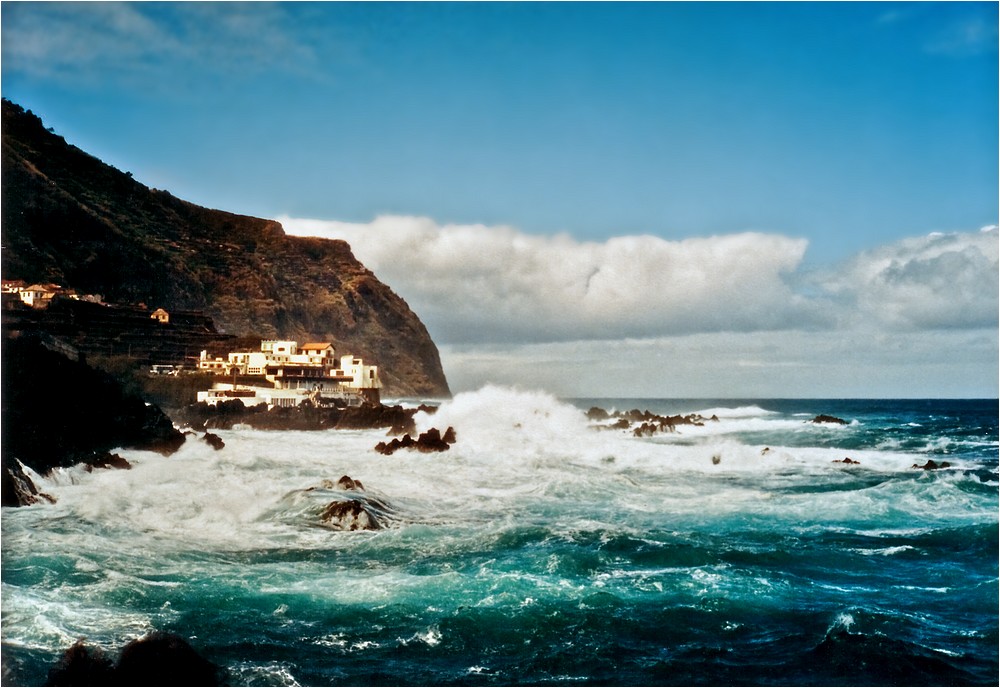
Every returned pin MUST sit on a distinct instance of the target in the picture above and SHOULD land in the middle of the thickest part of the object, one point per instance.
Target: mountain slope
(69, 218)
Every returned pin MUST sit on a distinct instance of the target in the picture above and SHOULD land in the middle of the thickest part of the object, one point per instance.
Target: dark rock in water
(847, 460)
(158, 659)
(430, 441)
(932, 465)
(645, 430)
(164, 659)
(388, 448)
(597, 413)
(214, 441)
(357, 512)
(109, 460)
(349, 515)
(346, 482)
(81, 665)
(649, 423)
(18, 489)
(829, 419)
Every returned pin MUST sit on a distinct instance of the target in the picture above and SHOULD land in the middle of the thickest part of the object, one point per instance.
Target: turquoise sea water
(540, 550)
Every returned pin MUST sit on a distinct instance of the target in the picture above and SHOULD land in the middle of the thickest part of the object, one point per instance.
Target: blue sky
(821, 132)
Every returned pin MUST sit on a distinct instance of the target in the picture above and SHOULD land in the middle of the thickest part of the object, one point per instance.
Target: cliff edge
(70, 219)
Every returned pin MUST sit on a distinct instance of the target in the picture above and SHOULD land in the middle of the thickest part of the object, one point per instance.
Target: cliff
(70, 219)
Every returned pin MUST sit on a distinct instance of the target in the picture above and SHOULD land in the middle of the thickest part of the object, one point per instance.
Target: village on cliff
(277, 373)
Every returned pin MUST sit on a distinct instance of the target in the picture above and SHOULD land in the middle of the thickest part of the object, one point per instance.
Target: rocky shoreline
(225, 415)
(58, 412)
(643, 423)
(43, 431)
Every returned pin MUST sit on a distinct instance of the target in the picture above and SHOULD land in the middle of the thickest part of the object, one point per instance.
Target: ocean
(539, 550)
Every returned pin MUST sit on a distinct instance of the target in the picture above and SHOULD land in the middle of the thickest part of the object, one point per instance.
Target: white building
(37, 295)
(309, 371)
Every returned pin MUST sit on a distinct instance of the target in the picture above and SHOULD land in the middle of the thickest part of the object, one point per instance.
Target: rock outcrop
(822, 418)
(226, 414)
(70, 219)
(932, 465)
(357, 511)
(57, 412)
(644, 423)
(427, 442)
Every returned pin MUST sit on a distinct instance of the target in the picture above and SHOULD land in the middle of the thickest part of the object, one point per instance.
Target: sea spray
(537, 549)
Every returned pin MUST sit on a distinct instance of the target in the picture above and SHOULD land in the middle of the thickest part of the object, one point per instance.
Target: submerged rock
(847, 460)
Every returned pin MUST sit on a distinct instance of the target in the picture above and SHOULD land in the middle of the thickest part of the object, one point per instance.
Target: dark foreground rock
(158, 659)
(43, 432)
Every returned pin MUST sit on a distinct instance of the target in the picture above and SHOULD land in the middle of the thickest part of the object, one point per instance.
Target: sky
(674, 199)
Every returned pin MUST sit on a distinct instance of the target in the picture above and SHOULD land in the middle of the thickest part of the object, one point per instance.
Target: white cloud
(154, 45)
(938, 281)
(478, 283)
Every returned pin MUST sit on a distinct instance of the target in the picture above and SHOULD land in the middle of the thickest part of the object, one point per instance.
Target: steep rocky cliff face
(69, 218)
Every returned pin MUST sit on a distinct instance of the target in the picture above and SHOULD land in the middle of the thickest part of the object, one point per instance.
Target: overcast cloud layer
(478, 284)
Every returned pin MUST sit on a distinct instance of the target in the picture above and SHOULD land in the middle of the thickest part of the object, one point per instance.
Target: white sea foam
(737, 412)
(516, 452)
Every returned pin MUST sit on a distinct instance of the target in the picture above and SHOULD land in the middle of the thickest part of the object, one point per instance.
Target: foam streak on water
(539, 550)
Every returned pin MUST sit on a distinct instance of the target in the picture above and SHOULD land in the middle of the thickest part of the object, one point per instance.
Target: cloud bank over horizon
(507, 306)
(481, 284)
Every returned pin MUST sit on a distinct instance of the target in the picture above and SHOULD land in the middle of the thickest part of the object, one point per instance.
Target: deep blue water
(541, 551)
